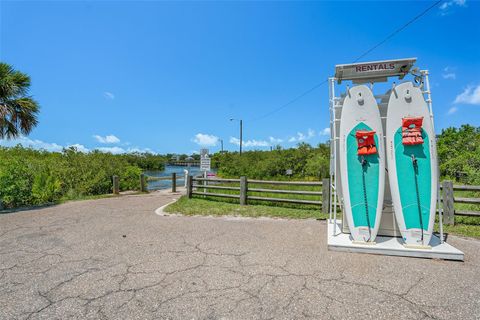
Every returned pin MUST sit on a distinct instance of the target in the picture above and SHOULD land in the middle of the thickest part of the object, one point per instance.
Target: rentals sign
(373, 71)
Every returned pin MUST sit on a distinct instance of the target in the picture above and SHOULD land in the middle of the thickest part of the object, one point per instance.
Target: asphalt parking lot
(116, 259)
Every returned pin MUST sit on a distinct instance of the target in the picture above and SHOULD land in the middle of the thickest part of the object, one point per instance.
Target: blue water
(166, 184)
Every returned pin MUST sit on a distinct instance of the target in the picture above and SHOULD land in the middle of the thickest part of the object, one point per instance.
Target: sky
(167, 77)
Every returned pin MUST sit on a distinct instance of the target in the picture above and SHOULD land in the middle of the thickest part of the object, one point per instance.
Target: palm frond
(18, 112)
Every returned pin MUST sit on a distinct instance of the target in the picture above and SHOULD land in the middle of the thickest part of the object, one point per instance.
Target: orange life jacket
(412, 131)
(366, 142)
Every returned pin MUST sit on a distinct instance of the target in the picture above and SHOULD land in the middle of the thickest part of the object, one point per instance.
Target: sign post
(205, 162)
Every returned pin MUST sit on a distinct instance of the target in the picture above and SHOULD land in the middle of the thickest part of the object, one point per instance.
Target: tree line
(304, 161)
(458, 154)
(33, 177)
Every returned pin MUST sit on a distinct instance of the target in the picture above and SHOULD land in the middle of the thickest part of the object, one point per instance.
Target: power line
(394, 33)
(391, 35)
(292, 101)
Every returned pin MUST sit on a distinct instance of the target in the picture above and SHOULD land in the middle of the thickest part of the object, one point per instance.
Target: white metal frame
(334, 152)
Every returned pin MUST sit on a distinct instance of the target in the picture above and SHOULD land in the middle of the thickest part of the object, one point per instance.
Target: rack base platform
(391, 246)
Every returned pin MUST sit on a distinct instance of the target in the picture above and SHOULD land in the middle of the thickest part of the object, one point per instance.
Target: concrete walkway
(116, 259)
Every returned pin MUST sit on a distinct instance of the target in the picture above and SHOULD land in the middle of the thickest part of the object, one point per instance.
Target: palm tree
(18, 111)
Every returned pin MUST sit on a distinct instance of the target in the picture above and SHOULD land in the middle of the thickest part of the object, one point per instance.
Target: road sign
(203, 152)
(205, 162)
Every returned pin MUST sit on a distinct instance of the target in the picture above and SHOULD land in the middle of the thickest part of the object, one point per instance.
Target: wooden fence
(448, 197)
(243, 189)
(448, 189)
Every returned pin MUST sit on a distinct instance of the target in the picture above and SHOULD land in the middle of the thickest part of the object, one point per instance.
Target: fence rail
(466, 188)
(449, 200)
(322, 198)
(194, 184)
(291, 183)
(468, 200)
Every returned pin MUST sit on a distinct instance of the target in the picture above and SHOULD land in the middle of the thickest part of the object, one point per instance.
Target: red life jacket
(412, 131)
(366, 142)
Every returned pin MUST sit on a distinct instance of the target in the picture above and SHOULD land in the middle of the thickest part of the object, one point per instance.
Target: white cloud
(249, 143)
(140, 150)
(40, 145)
(79, 147)
(274, 140)
(271, 141)
(256, 143)
(299, 137)
(54, 147)
(107, 139)
(310, 133)
(452, 110)
(114, 150)
(449, 73)
(445, 6)
(31, 143)
(325, 132)
(120, 150)
(108, 95)
(471, 95)
(205, 140)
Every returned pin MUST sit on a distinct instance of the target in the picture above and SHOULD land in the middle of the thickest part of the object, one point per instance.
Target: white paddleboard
(413, 168)
(362, 176)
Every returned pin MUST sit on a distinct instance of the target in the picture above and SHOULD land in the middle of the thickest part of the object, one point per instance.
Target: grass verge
(208, 207)
(464, 226)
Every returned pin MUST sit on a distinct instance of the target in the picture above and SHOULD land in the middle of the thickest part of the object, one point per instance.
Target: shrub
(31, 177)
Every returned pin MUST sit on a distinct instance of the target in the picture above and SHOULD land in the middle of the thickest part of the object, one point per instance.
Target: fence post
(185, 172)
(143, 184)
(189, 186)
(205, 182)
(448, 202)
(243, 190)
(174, 182)
(325, 195)
(116, 185)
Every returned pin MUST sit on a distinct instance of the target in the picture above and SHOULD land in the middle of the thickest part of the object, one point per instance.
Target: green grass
(465, 226)
(197, 206)
(465, 230)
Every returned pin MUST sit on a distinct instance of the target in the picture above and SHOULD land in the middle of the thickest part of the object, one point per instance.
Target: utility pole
(221, 142)
(241, 132)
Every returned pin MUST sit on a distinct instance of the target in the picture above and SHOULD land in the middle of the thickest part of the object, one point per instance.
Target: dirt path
(116, 259)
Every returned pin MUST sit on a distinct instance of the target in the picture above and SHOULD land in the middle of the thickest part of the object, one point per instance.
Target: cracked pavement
(116, 259)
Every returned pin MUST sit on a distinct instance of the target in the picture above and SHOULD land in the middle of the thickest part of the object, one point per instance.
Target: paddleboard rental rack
(383, 162)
